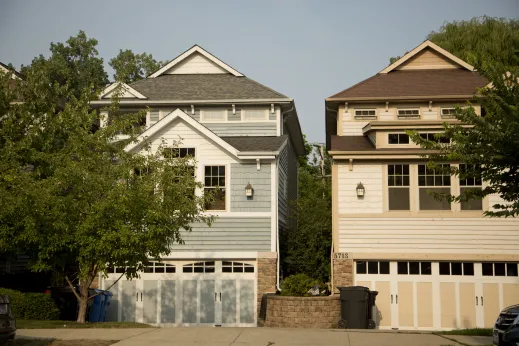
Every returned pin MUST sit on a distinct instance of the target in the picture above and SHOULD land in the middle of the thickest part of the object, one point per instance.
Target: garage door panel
(247, 303)
(228, 301)
(129, 299)
(490, 304)
(424, 295)
(510, 294)
(208, 297)
(467, 305)
(382, 302)
(189, 301)
(167, 298)
(112, 313)
(404, 301)
(448, 305)
(150, 292)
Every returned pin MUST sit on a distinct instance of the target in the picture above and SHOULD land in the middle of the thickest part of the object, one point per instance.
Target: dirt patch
(28, 342)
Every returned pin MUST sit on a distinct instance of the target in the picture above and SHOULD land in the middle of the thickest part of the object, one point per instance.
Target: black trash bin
(355, 303)
(371, 320)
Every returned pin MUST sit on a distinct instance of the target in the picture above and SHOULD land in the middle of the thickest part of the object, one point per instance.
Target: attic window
(213, 115)
(254, 114)
(448, 113)
(362, 114)
(408, 113)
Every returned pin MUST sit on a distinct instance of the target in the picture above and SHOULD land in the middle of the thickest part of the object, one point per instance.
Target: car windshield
(4, 309)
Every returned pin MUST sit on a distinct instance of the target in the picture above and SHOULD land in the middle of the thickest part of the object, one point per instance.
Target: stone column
(267, 268)
(342, 273)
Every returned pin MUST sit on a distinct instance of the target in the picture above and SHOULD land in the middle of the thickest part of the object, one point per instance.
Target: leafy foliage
(32, 306)
(489, 143)
(298, 285)
(130, 67)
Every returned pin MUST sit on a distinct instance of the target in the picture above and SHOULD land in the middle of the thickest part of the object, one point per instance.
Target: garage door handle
(141, 296)
(391, 299)
(481, 300)
(476, 300)
(214, 296)
(396, 295)
(137, 298)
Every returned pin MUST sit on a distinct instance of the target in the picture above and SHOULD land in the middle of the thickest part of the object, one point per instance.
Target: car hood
(511, 309)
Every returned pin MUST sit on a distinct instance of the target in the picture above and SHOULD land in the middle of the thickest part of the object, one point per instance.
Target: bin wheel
(342, 324)
(372, 324)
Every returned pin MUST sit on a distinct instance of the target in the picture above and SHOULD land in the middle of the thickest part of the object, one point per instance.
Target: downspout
(332, 291)
(282, 120)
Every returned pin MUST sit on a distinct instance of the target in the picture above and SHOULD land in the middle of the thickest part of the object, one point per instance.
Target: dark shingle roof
(351, 143)
(203, 87)
(256, 143)
(415, 83)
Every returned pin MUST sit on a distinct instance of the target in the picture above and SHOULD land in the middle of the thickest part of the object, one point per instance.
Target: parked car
(507, 323)
(7, 322)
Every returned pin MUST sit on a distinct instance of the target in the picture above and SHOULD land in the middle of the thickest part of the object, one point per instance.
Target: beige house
(435, 265)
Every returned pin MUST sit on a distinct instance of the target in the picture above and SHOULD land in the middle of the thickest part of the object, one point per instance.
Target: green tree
(130, 67)
(488, 146)
(75, 197)
(307, 247)
(480, 39)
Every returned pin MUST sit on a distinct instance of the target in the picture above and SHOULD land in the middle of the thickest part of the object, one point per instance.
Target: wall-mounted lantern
(360, 190)
(249, 191)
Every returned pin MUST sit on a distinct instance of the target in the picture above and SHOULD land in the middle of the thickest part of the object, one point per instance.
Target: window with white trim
(254, 114)
(398, 138)
(178, 152)
(215, 183)
(213, 115)
(434, 180)
(365, 114)
(457, 268)
(433, 137)
(398, 187)
(413, 113)
(448, 113)
(472, 181)
(237, 267)
(199, 267)
(499, 269)
(414, 268)
(158, 267)
(372, 267)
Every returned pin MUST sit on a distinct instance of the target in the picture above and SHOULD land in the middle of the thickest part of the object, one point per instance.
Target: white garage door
(438, 295)
(188, 293)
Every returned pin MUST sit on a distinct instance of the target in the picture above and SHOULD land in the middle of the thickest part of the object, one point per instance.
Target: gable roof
(257, 143)
(427, 44)
(5, 68)
(129, 92)
(178, 87)
(196, 49)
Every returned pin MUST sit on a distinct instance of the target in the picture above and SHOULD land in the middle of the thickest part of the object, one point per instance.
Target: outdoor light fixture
(360, 190)
(249, 190)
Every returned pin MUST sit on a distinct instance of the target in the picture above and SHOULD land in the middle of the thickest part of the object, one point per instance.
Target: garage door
(188, 293)
(438, 295)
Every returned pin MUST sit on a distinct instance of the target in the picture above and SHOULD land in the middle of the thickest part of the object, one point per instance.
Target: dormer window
(365, 114)
(448, 113)
(398, 138)
(409, 113)
(254, 114)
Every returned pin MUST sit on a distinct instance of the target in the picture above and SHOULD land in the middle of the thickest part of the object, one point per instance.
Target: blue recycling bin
(108, 298)
(97, 307)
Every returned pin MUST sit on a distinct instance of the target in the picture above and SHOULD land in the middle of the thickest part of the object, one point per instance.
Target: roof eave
(190, 102)
(401, 98)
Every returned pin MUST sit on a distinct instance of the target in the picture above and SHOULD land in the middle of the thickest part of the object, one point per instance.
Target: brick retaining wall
(303, 312)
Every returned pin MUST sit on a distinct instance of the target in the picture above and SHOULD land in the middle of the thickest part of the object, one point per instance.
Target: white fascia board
(126, 87)
(191, 102)
(177, 113)
(211, 254)
(427, 44)
(191, 51)
(253, 156)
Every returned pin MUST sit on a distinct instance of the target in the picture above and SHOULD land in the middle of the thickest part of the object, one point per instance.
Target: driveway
(247, 337)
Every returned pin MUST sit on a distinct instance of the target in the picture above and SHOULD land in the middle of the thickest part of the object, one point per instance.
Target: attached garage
(428, 295)
(187, 293)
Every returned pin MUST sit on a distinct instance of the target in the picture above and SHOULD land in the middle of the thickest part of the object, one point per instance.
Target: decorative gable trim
(425, 45)
(193, 50)
(106, 93)
(179, 114)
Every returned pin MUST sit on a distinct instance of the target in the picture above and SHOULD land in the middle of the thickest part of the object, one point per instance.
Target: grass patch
(44, 324)
(472, 332)
(35, 342)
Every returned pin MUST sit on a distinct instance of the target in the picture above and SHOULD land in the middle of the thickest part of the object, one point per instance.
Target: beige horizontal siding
(371, 177)
(428, 59)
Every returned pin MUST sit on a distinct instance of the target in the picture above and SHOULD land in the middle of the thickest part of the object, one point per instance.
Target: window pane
(249, 269)
(499, 269)
(399, 198)
(456, 268)
(421, 169)
(391, 169)
(226, 269)
(511, 269)
(390, 180)
(402, 267)
(468, 269)
(445, 268)
(384, 268)
(473, 204)
(392, 138)
(361, 267)
(372, 267)
(238, 269)
(414, 268)
(170, 269)
(488, 269)
(428, 202)
(209, 269)
(406, 180)
(426, 268)
(188, 269)
(406, 169)
(398, 180)
(404, 139)
(160, 268)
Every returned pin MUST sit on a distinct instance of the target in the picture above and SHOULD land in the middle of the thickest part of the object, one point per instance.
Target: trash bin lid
(373, 293)
(353, 288)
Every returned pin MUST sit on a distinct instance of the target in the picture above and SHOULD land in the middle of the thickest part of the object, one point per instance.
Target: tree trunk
(83, 300)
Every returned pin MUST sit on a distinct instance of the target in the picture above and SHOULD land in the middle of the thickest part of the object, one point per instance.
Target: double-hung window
(215, 184)
(398, 186)
(436, 181)
(470, 179)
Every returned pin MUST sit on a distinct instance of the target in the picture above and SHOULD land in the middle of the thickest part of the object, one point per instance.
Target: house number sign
(341, 255)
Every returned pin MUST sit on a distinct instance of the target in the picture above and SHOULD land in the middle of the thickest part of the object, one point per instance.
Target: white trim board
(125, 87)
(193, 50)
(424, 45)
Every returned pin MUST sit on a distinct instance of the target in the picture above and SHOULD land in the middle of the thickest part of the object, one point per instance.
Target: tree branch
(73, 289)
(112, 285)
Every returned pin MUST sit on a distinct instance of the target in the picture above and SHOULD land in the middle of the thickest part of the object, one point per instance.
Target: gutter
(277, 224)
(191, 102)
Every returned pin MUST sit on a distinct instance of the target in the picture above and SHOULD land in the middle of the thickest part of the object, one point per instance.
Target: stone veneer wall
(342, 273)
(267, 268)
(303, 312)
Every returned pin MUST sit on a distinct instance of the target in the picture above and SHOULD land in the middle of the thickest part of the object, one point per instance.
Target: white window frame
(405, 116)
(227, 187)
(203, 114)
(449, 116)
(245, 110)
(399, 134)
(365, 117)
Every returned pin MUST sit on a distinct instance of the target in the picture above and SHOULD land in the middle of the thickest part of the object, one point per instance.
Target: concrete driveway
(248, 337)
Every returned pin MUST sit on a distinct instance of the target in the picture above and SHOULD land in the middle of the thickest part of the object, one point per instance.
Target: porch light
(249, 191)
(360, 190)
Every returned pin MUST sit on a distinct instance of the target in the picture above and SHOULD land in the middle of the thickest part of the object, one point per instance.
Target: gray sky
(307, 50)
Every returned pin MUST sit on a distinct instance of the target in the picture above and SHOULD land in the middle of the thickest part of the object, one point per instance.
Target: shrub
(31, 306)
(298, 285)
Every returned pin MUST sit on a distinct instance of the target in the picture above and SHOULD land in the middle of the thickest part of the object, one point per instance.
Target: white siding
(195, 64)
(371, 178)
(494, 199)
(430, 235)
